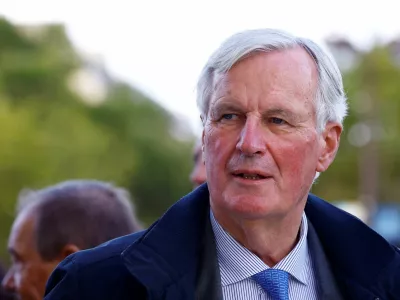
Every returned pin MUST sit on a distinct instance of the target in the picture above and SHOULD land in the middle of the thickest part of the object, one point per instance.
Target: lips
(251, 174)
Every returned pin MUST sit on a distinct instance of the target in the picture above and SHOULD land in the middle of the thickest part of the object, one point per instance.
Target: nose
(198, 175)
(251, 140)
(8, 282)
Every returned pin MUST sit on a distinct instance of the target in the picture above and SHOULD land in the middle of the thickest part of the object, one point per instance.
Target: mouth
(251, 176)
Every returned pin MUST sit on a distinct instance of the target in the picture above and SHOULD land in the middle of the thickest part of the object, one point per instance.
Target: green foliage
(374, 97)
(49, 133)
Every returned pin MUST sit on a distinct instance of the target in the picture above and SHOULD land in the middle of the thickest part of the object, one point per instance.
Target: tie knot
(274, 282)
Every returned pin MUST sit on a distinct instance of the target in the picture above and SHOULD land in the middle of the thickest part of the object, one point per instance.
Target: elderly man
(272, 106)
(57, 221)
(198, 175)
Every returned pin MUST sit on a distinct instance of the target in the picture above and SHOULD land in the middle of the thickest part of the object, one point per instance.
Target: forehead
(22, 231)
(283, 75)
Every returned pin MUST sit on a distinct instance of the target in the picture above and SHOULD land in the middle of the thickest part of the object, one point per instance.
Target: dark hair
(85, 213)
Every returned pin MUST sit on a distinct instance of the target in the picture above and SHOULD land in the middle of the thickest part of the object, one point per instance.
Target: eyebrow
(226, 106)
(281, 112)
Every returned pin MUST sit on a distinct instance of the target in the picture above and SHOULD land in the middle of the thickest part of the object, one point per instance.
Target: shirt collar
(238, 263)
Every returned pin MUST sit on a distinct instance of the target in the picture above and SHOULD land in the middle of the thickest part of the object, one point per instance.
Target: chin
(252, 207)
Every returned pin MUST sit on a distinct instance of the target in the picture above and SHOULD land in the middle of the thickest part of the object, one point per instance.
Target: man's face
(28, 274)
(198, 175)
(262, 148)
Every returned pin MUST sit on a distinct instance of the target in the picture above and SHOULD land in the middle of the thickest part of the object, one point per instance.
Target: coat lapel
(176, 257)
(328, 289)
(208, 284)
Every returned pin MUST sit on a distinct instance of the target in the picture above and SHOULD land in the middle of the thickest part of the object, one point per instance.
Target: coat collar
(167, 253)
(169, 249)
(364, 264)
(354, 250)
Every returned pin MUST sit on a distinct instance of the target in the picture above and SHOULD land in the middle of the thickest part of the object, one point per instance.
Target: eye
(229, 116)
(277, 121)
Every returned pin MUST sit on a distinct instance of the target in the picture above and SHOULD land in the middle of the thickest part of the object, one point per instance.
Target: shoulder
(386, 284)
(322, 212)
(358, 254)
(97, 273)
(108, 251)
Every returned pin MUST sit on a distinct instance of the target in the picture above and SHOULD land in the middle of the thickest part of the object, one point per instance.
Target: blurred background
(106, 90)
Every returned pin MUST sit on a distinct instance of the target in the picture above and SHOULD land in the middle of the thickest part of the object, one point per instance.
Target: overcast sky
(161, 46)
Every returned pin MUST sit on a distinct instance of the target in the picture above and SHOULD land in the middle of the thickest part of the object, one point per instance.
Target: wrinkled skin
(262, 121)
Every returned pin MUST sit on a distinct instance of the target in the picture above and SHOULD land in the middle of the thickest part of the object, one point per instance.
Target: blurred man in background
(59, 220)
(198, 175)
(3, 294)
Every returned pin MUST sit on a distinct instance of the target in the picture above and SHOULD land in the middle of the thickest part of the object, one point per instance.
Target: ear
(68, 250)
(330, 140)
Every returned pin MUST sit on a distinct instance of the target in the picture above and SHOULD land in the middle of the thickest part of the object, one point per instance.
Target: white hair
(331, 102)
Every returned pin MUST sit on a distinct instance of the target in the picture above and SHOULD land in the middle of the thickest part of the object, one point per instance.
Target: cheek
(24, 280)
(32, 280)
(218, 148)
(296, 163)
(29, 276)
(298, 159)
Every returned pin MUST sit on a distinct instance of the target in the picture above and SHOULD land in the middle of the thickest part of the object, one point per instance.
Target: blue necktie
(274, 282)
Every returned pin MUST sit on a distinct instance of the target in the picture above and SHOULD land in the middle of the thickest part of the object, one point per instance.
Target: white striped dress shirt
(237, 264)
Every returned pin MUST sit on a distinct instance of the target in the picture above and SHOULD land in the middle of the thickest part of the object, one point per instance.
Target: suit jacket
(175, 259)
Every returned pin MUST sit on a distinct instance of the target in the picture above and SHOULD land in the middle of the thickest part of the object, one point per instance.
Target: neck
(270, 238)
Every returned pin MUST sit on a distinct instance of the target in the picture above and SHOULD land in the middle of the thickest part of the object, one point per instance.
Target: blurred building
(394, 48)
(347, 55)
(344, 52)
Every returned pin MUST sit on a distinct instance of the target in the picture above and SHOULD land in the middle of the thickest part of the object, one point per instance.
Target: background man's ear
(68, 250)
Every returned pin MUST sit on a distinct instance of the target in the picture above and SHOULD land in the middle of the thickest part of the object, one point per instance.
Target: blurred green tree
(368, 161)
(51, 133)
